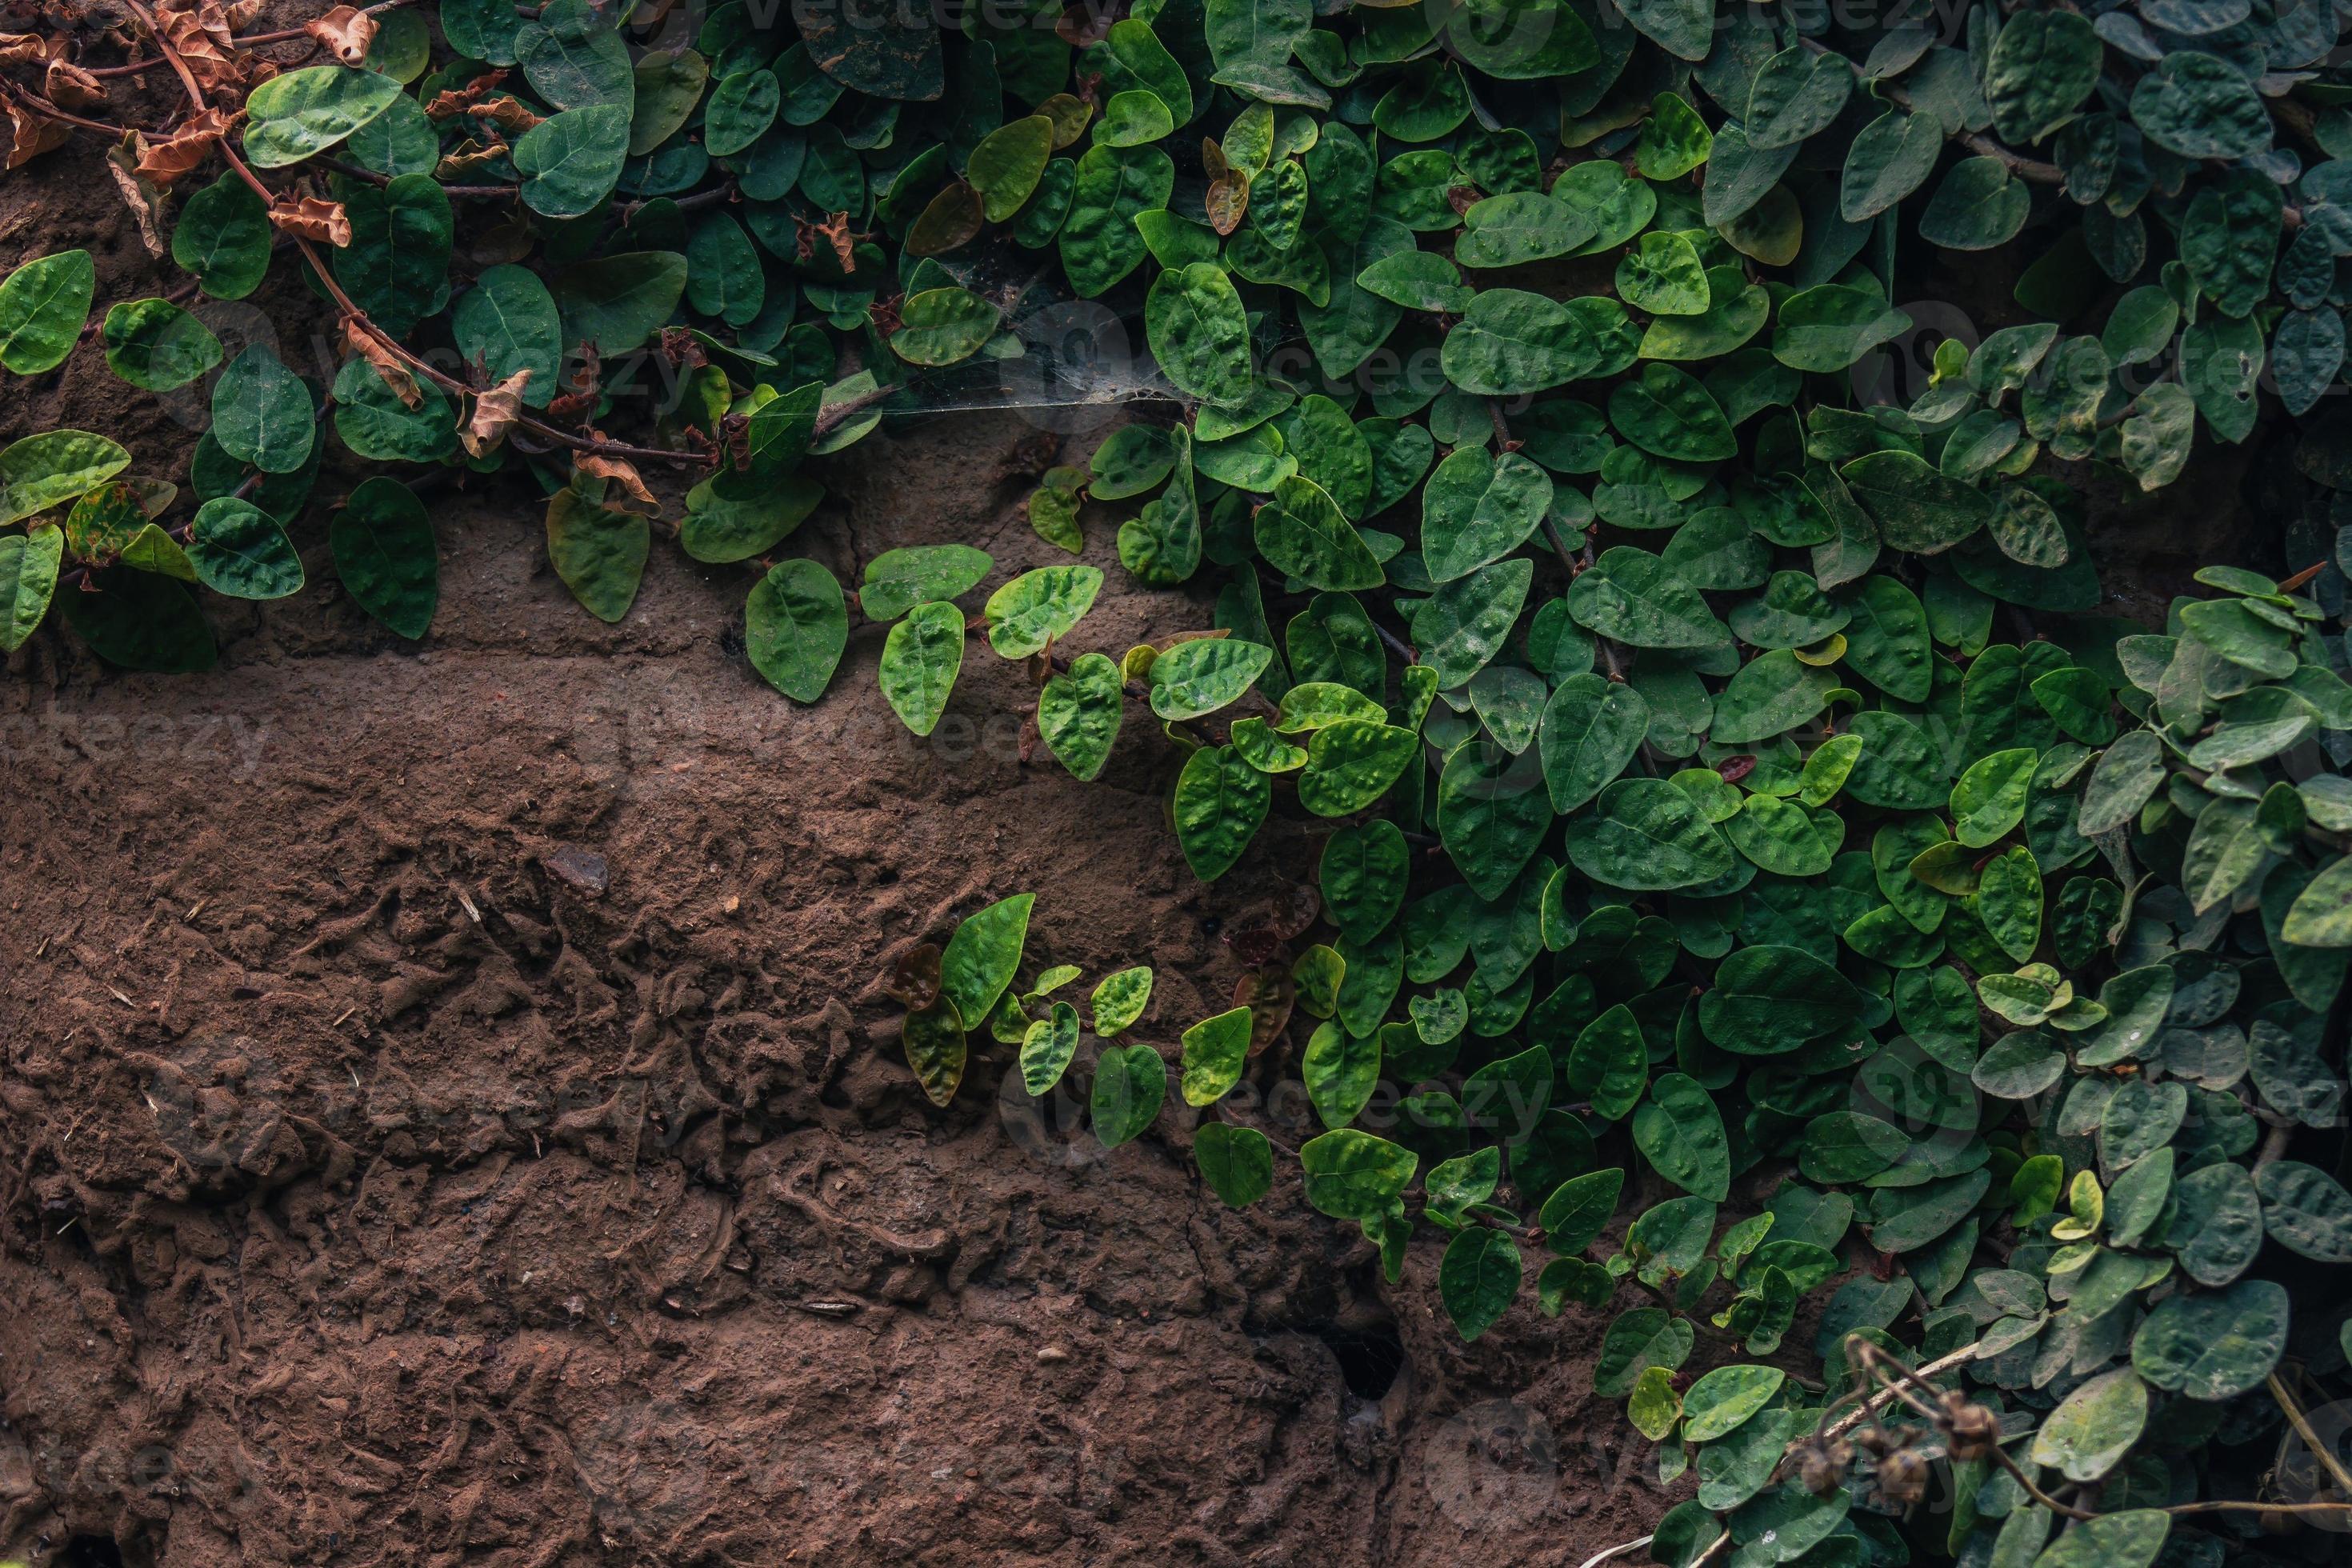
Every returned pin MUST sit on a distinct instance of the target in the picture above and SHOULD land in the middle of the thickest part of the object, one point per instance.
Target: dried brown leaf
(506, 113)
(312, 217)
(495, 412)
(69, 86)
(631, 494)
(29, 135)
(140, 196)
(347, 31)
(184, 149)
(358, 339)
(21, 49)
(199, 31)
(453, 102)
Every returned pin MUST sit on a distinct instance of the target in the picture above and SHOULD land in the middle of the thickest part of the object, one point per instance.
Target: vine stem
(2325, 1453)
(1620, 1550)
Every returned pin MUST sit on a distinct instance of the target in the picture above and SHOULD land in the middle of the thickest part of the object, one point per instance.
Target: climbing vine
(1730, 789)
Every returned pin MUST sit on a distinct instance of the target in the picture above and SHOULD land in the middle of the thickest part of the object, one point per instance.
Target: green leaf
(1796, 94)
(1591, 730)
(601, 555)
(2111, 1541)
(1917, 509)
(980, 959)
(302, 113)
(1990, 798)
(156, 347)
(1352, 763)
(509, 320)
(1215, 1051)
(1099, 243)
(1476, 509)
(1006, 165)
(262, 413)
(1579, 1209)
(1639, 1339)
(1047, 1048)
(1668, 413)
(1197, 677)
(1609, 1064)
(1769, 1000)
(1130, 1084)
(920, 659)
(238, 550)
(1723, 1400)
(2042, 66)
(1220, 803)
(740, 110)
(1515, 228)
(38, 472)
(1340, 1071)
(1119, 1000)
(384, 553)
(619, 302)
(1978, 206)
(897, 580)
(2200, 106)
(1830, 326)
(2306, 1210)
(1681, 1133)
(1037, 607)
(28, 577)
(795, 628)
(1644, 834)
(1078, 714)
(1477, 1279)
(2213, 1347)
(1351, 1175)
(1772, 694)
(943, 326)
(2095, 1427)
(224, 239)
(1236, 1161)
(43, 305)
(396, 268)
(1302, 535)
(374, 423)
(571, 160)
(1462, 625)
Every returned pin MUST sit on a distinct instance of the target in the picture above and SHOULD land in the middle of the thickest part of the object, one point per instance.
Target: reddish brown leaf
(1269, 994)
(1227, 201)
(915, 978)
(21, 49)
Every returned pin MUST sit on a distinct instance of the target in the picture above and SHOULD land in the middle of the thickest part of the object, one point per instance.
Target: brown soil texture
(383, 1184)
(376, 1189)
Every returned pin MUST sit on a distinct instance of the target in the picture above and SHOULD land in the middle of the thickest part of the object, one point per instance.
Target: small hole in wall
(90, 1551)
(1370, 1358)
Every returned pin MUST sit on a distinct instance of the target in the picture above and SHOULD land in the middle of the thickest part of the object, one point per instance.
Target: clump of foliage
(1723, 770)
